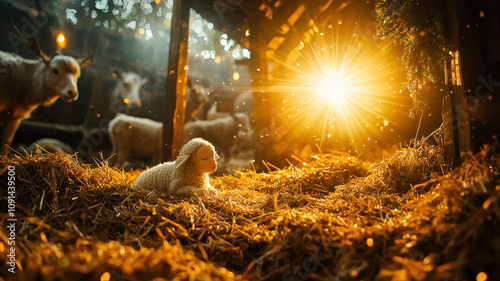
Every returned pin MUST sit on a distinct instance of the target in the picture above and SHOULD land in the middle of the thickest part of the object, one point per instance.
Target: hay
(405, 218)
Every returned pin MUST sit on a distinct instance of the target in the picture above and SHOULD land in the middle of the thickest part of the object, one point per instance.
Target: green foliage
(417, 26)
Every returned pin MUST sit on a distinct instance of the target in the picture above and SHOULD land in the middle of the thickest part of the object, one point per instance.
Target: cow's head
(129, 87)
(61, 75)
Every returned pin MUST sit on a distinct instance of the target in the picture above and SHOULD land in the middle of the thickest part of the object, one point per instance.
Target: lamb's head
(61, 76)
(198, 156)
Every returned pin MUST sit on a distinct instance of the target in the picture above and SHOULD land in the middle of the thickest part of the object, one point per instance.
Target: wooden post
(261, 102)
(450, 136)
(455, 112)
(175, 88)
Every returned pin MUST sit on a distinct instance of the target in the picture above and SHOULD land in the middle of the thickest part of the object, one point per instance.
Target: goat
(127, 90)
(26, 84)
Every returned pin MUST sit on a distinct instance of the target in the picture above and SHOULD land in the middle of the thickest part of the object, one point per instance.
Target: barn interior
(292, 25)
(327, 188)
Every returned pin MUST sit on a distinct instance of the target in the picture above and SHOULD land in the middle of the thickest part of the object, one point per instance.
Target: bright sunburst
(338, 89)
(334, 88)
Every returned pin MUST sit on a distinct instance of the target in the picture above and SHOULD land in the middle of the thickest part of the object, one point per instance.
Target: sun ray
(340, 89)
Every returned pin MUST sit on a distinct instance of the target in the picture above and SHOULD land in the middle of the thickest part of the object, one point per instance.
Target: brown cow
(25, 84)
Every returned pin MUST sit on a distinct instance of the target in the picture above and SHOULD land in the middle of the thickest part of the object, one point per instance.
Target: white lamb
(129, 133)
(221, 132)
(188, 175)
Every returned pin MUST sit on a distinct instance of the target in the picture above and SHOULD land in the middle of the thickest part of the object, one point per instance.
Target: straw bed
(334, 218)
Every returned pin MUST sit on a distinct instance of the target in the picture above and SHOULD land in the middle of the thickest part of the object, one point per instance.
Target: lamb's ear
(180, 161)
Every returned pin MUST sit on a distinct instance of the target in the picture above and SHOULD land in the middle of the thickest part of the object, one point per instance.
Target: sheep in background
(244, 103)
(196, 97)
(225, 103)
(245, 140)
(49, 145)
(188, 175)
(221, 132)
(219, 105)
(129, 133)
(213, 113)
(95, 145)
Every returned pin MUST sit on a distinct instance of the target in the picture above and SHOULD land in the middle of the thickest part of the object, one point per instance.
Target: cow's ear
(117, 72)
(144, 81)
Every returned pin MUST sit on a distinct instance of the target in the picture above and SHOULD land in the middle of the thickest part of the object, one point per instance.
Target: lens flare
(336, 90)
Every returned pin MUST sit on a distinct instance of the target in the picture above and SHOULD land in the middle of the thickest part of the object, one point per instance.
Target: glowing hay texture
(333, 218)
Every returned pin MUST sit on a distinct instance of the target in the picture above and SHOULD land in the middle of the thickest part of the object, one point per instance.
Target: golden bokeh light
(369, 242)
(61, 40)
(236, 76)
(481, 276)
(105, 276)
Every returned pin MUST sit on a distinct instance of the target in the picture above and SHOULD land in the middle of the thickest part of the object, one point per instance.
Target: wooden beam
(297, 32)
(330, 13)
(294, 36)
(175, 88)
(261, 101)
(281, 16)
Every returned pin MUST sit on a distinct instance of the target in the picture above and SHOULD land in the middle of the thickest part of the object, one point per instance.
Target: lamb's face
(205, 160)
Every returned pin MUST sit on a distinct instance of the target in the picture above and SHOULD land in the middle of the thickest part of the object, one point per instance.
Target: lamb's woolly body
(221, 132)
(129, 133)
(182, 181)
